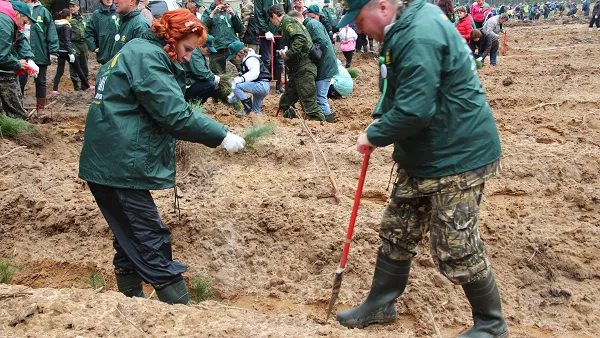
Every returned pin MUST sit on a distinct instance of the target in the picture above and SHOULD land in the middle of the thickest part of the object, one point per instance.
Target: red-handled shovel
(337, 282)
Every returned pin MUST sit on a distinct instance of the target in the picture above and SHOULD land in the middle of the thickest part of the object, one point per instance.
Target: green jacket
(100, 32)
(331, 14)
(299, 43)
(137, 116)
(132, 25)
(9, 56)
(77, 29)
(197, 70)
(262, 18)
(42, 35)
(222, 26)
(434, 109)
(327, 66)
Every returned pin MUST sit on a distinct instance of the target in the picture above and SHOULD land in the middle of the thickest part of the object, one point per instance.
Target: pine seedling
(353, 72)
(94, 279)
(11, 127)
(201, 288)
(7, 271)
(255, 133)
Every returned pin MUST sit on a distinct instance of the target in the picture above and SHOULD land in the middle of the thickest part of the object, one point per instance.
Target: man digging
(446, 145)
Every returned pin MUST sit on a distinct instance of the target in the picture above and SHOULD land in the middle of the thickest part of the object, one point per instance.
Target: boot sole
(370, 322)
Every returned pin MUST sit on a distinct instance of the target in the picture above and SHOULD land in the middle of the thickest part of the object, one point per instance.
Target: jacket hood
(7, 9)
(111, 9)
(62, 22)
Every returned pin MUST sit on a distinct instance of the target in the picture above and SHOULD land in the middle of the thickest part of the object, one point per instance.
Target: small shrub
(11, 127)
(7, 271)
(353, 72)
(94, 279)
(201, 288)
(257, 132)
(479, 64)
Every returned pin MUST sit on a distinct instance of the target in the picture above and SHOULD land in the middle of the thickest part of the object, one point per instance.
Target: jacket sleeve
(8, 61)
(91, 33)
(325, 23)
(300, 45)
(238, 26)
(489, 43)
(162, 98)
(491, 26)
(414, 99)
(67, 37)
(198, 69)
(206, 19)
(253, 70)
(23, 47)
(51, 35)
(261, 16)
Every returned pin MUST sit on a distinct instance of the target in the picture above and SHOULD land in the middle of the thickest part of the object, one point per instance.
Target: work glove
(480, 59)
(232, 143)
(335, 36)
(217, 80)
(238, 79)
(363, 145)
(71, 58)
(53, 58)
(269, 36)
(33, 70)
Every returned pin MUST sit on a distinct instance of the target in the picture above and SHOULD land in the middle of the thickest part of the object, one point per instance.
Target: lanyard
(383, 72)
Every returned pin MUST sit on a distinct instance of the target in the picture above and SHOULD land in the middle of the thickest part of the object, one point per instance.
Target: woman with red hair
(137, 115)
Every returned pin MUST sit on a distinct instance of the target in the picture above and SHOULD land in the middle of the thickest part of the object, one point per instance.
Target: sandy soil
(262, 223)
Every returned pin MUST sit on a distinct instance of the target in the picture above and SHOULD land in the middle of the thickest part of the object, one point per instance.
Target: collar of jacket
(404, 15)
(306, 21)
(130, 15)
(77, 16)
(112, 9)
(62, 22)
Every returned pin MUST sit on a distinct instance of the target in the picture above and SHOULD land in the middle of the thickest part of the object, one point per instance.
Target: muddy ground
(262, 224)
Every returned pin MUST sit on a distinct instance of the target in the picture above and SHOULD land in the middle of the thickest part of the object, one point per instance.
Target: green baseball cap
(327, 1)
(314, 9)
(352, 7)
(210, 43)
(74, 2)
(22, 8)
(199, 3)
(234, 48)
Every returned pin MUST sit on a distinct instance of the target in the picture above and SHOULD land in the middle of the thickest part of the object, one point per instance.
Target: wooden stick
(437, 331)
(130, 321)
(543, 105)
(152, 294)
(115, 330)
(335, 191)
(21, 293)
(15, 149)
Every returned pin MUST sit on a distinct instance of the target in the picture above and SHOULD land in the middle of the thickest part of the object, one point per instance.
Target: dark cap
(352, 7)
(74, 2)
(210, 43)
(199, 3)
(234, 48)
(314, 9)
(22, 8)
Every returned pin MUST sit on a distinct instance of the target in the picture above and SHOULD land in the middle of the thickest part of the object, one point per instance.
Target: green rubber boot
(130, 285)
(389, 281)
(486, 308)
(175, 293)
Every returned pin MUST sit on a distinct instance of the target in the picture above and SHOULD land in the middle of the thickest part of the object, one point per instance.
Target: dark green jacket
(262, 18)
(137, 116)
(23, 48)
(77, 29)
(197, 70)
(222, 26)
(434, 110)
(9, 56)
(132, 25)
(331, 14)
(42, 35)
(327, 66)
(299, 43)
(100, 32)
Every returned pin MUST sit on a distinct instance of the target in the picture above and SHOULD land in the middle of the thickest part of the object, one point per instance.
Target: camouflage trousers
(11, 99)
(446, 207)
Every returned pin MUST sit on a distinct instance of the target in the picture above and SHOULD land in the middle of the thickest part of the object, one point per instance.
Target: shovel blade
(337, 284)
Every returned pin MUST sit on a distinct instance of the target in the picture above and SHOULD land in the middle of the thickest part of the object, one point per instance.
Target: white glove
(232, 143)
(480, 59)
(269, 36)
(35, 67)
(238, 79)
(53, 58)
(71, 58)
(334, 36)
(217, 79)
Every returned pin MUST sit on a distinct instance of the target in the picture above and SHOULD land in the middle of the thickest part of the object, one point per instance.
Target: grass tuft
(7, 271)
(11, 127)
(255, 133)
(353, 72)
(201, 288)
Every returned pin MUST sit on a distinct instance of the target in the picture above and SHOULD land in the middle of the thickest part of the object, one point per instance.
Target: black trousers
(200, 91)
(596, 21)
(265, 55)
(60, 70)
(361, 43)
(348, 56)
(142, 241)
(40, 82)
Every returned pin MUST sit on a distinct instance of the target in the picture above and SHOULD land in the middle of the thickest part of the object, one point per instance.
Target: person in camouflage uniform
(446, 146)
(302, 71)
(78, 43)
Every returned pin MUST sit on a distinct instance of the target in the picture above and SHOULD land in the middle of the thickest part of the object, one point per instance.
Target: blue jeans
(322, 90)
(259, 91)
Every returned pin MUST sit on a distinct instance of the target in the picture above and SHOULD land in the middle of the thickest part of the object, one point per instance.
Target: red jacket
(465, 27)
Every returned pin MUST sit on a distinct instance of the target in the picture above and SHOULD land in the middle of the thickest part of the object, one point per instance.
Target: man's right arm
(90, 34)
